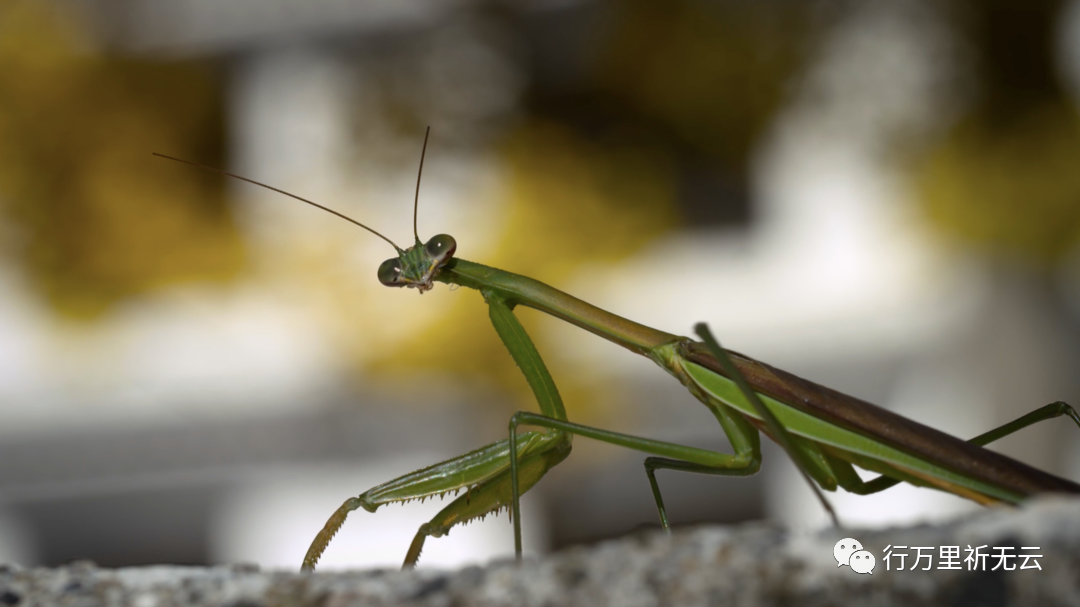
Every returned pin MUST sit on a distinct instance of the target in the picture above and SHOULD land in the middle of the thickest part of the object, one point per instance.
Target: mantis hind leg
(851, 482)
(1055, 409)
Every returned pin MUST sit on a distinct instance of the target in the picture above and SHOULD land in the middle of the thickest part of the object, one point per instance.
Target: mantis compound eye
(390, 273)
(441, 247)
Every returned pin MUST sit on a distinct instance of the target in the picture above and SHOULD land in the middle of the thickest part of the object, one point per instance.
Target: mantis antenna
(314, 204)
(416, 199)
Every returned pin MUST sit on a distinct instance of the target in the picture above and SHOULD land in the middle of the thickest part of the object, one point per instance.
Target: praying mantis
(825, 432)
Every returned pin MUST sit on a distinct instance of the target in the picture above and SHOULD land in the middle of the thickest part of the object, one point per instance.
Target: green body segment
(517, 290)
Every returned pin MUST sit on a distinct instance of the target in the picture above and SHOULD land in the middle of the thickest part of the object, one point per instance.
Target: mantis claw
(330, 529)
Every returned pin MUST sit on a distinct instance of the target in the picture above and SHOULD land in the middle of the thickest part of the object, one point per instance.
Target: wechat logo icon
(850, 552)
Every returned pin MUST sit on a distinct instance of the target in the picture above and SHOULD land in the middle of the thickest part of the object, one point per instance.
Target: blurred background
(883, 197)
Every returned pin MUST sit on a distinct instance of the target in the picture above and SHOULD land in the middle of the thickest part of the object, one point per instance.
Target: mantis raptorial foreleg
(481, 474)
(489, 497)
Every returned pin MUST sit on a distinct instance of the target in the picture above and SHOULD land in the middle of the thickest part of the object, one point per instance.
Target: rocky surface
(748, 565)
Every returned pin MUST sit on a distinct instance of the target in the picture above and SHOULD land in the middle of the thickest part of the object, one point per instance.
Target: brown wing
(888, 427)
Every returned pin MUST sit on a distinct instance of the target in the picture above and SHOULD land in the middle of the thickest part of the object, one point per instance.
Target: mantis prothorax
(824, 431)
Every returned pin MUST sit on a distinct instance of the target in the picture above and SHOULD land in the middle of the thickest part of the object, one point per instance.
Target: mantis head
(415, 267)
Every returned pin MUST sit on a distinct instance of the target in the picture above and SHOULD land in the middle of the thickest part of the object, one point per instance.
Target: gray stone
(754, 564)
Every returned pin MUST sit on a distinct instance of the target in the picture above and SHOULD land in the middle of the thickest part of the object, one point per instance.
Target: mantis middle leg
(744, 439)
(821, 471)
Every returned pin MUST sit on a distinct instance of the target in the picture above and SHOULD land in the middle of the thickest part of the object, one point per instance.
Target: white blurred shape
(1068, 47)
(182, 352)
(289, 123)
(16, 540)
(201, 26)
(241, 346)
(23, 347)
